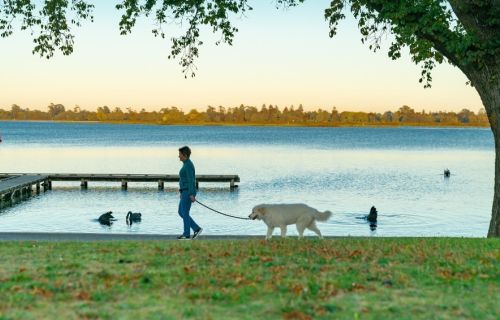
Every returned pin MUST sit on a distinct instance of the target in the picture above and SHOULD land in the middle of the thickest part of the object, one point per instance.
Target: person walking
(187, 189)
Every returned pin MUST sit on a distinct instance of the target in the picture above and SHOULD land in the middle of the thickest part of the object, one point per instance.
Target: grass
(350, 278)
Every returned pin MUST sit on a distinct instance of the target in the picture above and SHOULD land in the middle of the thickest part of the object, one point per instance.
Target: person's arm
(191, 179)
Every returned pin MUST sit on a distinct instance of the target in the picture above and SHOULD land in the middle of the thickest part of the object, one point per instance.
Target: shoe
(183, 237)
(197, 233)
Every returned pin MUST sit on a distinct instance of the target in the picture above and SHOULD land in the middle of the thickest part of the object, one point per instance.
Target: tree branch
(429, 23)
(479, 18)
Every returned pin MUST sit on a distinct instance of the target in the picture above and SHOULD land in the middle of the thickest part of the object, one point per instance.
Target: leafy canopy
(434, 30)
(49, 21)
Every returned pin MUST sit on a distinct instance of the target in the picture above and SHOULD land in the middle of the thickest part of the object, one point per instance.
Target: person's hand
(193, 198)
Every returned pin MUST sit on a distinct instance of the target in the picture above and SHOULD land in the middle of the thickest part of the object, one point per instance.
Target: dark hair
(185, 151)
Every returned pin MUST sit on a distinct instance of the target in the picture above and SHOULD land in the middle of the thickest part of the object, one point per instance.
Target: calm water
(344, 170)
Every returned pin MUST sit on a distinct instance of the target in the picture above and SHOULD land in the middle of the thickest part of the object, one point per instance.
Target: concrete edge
(58, 236)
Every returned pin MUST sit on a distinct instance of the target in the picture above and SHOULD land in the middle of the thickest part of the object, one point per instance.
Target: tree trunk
(488, 86)
(494, 230)
(494, 116)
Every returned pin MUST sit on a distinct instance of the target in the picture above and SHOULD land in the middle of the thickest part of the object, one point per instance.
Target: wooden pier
(17, 186)
(124, 179)
(13, 188)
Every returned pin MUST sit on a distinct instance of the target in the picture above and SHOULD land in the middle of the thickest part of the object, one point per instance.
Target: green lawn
(358, 278)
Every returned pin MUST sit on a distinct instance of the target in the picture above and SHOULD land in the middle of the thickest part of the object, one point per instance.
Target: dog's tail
(323, 216)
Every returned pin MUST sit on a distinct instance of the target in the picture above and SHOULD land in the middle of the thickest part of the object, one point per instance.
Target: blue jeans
(184, 207)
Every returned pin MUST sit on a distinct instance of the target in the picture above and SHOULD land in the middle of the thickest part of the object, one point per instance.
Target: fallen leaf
(83, 295)
(296, 315)
(297, 289)
(354, 253)
(356, 286)
(42, 292)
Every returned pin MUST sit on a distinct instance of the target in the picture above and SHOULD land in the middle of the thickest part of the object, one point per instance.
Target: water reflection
(406, 184)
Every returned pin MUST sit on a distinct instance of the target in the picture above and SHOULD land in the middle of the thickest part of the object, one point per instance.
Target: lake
(344, 170)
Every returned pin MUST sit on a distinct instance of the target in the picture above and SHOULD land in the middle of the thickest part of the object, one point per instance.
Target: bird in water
(106, 218)
(133, 217)
(372, 216)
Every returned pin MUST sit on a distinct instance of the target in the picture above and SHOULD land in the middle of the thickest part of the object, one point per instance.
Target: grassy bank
(404, 278)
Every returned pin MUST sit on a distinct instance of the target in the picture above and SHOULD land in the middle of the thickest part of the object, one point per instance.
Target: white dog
(281, 215)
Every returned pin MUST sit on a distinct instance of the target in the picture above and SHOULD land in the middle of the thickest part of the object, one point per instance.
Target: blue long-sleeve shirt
(187, 177)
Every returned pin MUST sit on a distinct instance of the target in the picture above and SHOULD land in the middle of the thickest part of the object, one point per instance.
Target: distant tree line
(250, 115)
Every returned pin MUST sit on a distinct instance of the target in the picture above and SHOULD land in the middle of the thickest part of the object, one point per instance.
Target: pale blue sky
(279, 57)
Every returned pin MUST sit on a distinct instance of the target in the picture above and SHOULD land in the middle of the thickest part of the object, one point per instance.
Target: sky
(279, 57)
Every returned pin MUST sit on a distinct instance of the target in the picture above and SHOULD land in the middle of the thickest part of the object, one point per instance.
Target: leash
(224, 214)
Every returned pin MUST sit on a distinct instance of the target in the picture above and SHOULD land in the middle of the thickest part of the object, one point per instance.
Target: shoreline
(298, 125)
(91, 237)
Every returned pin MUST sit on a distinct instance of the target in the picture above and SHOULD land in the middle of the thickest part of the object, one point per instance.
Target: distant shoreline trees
(250, 115)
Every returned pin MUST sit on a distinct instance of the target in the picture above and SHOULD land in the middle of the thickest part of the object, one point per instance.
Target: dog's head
(257, 213)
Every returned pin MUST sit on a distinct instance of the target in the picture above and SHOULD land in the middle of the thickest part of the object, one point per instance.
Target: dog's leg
(314, 228)
(283, 231)
(269, 232)
(300, 229)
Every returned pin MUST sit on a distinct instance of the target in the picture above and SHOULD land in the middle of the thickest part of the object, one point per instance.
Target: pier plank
(85, 177)
(13, 183)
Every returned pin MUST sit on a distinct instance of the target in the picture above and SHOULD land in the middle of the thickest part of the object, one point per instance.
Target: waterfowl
(133, 217)
(372, 216)
(106, 218)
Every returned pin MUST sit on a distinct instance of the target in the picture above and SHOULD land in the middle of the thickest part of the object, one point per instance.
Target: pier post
(197, 185)
(84, 184)
(16, 196)
(161, 185)
(231, 184)
(45, 185)
(124, 184)
(50, 184)
(37, 187)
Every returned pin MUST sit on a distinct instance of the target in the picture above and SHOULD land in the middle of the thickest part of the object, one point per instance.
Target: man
(187, 188)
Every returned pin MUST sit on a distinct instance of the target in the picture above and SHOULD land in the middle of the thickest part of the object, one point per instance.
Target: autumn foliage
(250, 115)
